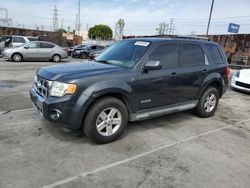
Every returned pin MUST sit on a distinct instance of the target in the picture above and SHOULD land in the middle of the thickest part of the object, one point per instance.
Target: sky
(142, 17)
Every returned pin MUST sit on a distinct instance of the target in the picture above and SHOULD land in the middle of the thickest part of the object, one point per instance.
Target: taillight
(227, 73)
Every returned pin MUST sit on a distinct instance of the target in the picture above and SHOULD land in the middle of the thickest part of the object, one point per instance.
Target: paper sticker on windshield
(141, 43)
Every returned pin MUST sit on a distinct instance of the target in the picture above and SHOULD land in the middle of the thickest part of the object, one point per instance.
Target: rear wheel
(208, 103)
(83, 56)
(106, 120)
(17, 57)
(56, 58)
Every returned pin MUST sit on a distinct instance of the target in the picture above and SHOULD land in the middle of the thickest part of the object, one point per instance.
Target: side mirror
(26, 47)
(152, 65)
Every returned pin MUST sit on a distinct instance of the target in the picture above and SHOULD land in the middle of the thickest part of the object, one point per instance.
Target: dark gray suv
(132, 80)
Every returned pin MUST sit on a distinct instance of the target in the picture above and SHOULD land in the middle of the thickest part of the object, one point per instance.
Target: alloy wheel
(210, 102)
(109, 121)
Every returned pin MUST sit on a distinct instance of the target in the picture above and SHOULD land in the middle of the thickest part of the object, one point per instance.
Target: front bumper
(6, 55)
(235, 86)
(71, 113)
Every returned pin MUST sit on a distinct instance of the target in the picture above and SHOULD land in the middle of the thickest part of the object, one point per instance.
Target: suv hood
(71, 71)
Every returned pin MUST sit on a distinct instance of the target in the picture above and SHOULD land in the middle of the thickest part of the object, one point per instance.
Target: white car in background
(241, 80)
(17, 41)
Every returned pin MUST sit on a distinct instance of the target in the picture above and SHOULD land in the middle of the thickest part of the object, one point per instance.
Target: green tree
(61, 31)
(101, 32)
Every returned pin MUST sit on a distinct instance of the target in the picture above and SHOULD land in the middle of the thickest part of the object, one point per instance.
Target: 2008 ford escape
(132, 80)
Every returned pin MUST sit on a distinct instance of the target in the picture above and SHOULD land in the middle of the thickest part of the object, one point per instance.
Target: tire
(83, 56)
(17, 57)
(100, 115)
(56, 58)
(208, 103)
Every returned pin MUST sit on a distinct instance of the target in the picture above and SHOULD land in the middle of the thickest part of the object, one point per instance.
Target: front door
(164, 86)
(31, 51)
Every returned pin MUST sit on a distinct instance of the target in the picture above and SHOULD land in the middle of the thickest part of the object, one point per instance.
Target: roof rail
(192, 37)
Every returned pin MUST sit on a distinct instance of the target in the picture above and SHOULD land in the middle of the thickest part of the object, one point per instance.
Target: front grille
(241, 84)
(41, 86)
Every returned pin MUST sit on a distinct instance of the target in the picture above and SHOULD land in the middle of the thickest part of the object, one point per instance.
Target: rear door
(195, 69)
(45, 50)
(161, 87)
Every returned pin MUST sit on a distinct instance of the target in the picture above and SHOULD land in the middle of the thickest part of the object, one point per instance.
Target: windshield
(124, 53)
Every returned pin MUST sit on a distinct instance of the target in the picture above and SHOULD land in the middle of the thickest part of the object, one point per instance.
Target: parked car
(73, 48)
(17, 41)
(241, 80)
(134, 79)
(5, 41)
(35, 51)
(94, 54)
(84, 52)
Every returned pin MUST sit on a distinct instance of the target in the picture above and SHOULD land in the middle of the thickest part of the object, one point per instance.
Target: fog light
(55, 114)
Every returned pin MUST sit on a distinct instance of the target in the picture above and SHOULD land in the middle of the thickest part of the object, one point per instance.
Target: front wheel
(208, 103)
(17, 57)
(106, 120)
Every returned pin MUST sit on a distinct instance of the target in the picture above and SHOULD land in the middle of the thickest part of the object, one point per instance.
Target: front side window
(124, 53)
(33, 45)
(167, 54)
(192, 54)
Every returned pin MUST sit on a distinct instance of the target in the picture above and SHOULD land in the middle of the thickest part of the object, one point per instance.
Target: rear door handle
(173, 74)
(205, 70)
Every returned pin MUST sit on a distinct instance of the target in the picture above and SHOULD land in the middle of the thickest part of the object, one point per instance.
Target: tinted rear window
(167, 54)
(192, 54)
(46, 45)
(32, 39)
(214, 54)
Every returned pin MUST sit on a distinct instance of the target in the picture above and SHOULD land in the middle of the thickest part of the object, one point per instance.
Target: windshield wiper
(103, 61)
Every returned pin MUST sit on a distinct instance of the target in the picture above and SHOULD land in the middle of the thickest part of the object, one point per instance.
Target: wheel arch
(216, 82)
(124, 95)
(16, 53)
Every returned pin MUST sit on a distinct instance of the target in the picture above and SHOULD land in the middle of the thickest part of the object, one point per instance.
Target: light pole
(210, 15)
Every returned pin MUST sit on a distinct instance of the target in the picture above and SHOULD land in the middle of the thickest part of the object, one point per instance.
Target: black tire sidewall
(90, 128)
(83, 56)
(200, 110)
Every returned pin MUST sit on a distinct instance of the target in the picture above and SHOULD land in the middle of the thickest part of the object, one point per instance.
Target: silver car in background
(37, 50)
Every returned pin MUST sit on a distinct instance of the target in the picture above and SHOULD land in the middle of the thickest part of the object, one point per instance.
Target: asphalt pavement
(179, 150)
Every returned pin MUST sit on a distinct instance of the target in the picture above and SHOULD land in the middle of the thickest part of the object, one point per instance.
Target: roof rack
(192, 37)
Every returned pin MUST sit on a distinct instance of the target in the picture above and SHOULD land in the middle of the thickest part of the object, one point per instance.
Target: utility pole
(210, 15)
(79, 17)
(171, 27)
(55, 19)
(62, 23)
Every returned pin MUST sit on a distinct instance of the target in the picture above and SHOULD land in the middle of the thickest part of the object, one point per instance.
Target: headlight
(237, 74)
(78, 52)
(59, 89)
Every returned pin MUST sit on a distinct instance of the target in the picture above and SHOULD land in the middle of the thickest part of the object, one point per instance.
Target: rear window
(18, 40)
(214, 54)
(31, 39)
(46, 45)
(192, 54)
